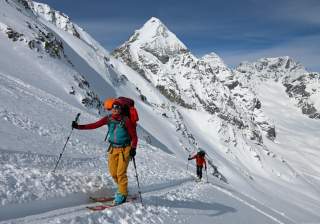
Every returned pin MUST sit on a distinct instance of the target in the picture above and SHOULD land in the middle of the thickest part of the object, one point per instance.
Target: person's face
(116, 109)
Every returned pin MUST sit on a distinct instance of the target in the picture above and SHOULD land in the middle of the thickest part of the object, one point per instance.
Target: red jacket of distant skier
(200, 160)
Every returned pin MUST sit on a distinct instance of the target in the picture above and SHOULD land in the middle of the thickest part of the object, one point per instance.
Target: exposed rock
(13, 35)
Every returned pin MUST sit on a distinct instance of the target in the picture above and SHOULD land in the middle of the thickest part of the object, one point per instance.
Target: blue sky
(237, 30)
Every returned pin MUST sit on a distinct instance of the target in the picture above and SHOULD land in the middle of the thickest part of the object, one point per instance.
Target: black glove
(133, 152)
(189, 158)
(74, 125)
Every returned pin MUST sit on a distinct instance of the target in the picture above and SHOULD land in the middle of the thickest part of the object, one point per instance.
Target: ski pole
(188, 166)
(207, 176)
(135, 168)
(64, 147)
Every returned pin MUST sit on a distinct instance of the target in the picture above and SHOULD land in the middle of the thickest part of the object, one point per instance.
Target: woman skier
(123, 139)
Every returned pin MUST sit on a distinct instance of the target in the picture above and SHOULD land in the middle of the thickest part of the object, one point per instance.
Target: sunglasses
(116, 107)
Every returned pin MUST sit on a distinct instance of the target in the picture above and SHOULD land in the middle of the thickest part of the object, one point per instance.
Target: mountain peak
(155, 36)
(154, 20)
(152, 25)
(214, 60)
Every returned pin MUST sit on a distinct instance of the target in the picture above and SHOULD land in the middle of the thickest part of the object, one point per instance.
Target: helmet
(107, 104)
(201, 153)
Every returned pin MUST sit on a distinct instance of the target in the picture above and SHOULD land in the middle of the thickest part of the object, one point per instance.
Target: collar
(117, 117)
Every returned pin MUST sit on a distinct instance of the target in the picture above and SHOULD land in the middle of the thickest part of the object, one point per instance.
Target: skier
(200, 160)
(123, 139)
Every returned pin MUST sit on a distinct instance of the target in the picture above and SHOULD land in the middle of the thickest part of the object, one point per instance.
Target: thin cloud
(306, 12)
(305, 50)
(256, 29)
(110, 33)
(108, 26)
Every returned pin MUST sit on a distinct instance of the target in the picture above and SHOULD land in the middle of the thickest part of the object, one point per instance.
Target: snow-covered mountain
(184, 103)
(300, 85)
(202, 84)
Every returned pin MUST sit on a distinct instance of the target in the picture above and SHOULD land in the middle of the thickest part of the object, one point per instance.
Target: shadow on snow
(219, 209)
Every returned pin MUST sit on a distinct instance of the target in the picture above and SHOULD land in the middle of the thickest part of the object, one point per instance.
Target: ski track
(74, 202)
(306, 180)
(223, 188)
(251, 204)
(77, 203)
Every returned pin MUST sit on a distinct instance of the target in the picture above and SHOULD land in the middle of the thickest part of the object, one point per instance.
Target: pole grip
(77, 117)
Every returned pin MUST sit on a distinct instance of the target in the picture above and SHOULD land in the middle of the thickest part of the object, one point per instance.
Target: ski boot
(119, 199)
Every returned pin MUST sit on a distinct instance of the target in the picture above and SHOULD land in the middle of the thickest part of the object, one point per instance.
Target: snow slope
(297, 141)
(47, 86)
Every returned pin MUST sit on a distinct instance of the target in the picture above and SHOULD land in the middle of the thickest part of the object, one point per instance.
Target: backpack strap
(105, 139)
(122, 123)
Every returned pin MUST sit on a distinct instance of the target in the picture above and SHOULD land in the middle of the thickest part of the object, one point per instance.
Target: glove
(74, 125)
(133, 152)
(189, 158)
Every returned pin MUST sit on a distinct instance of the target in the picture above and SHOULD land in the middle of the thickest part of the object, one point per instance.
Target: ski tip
(101, 199)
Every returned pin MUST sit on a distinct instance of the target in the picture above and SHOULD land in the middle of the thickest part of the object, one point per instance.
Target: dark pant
(199, 171)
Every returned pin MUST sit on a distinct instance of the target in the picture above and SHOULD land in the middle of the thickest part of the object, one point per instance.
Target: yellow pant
(118, 160)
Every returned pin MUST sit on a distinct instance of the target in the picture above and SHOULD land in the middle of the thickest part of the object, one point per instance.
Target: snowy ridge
(42, 93)
(300, 85)
(271, 68)
(214, 60)
(27, 34)
(62, 21)
(59, 19)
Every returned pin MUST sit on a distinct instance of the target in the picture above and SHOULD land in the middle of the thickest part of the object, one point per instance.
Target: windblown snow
(259, 125)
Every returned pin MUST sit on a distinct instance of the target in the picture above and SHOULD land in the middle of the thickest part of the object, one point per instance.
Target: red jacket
(105, 120)
(200, 160)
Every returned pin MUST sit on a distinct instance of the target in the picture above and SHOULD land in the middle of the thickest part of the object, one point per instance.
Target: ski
(101, 199)
(217, 175)
(220, 177)
(109, 204)
(107, 199)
